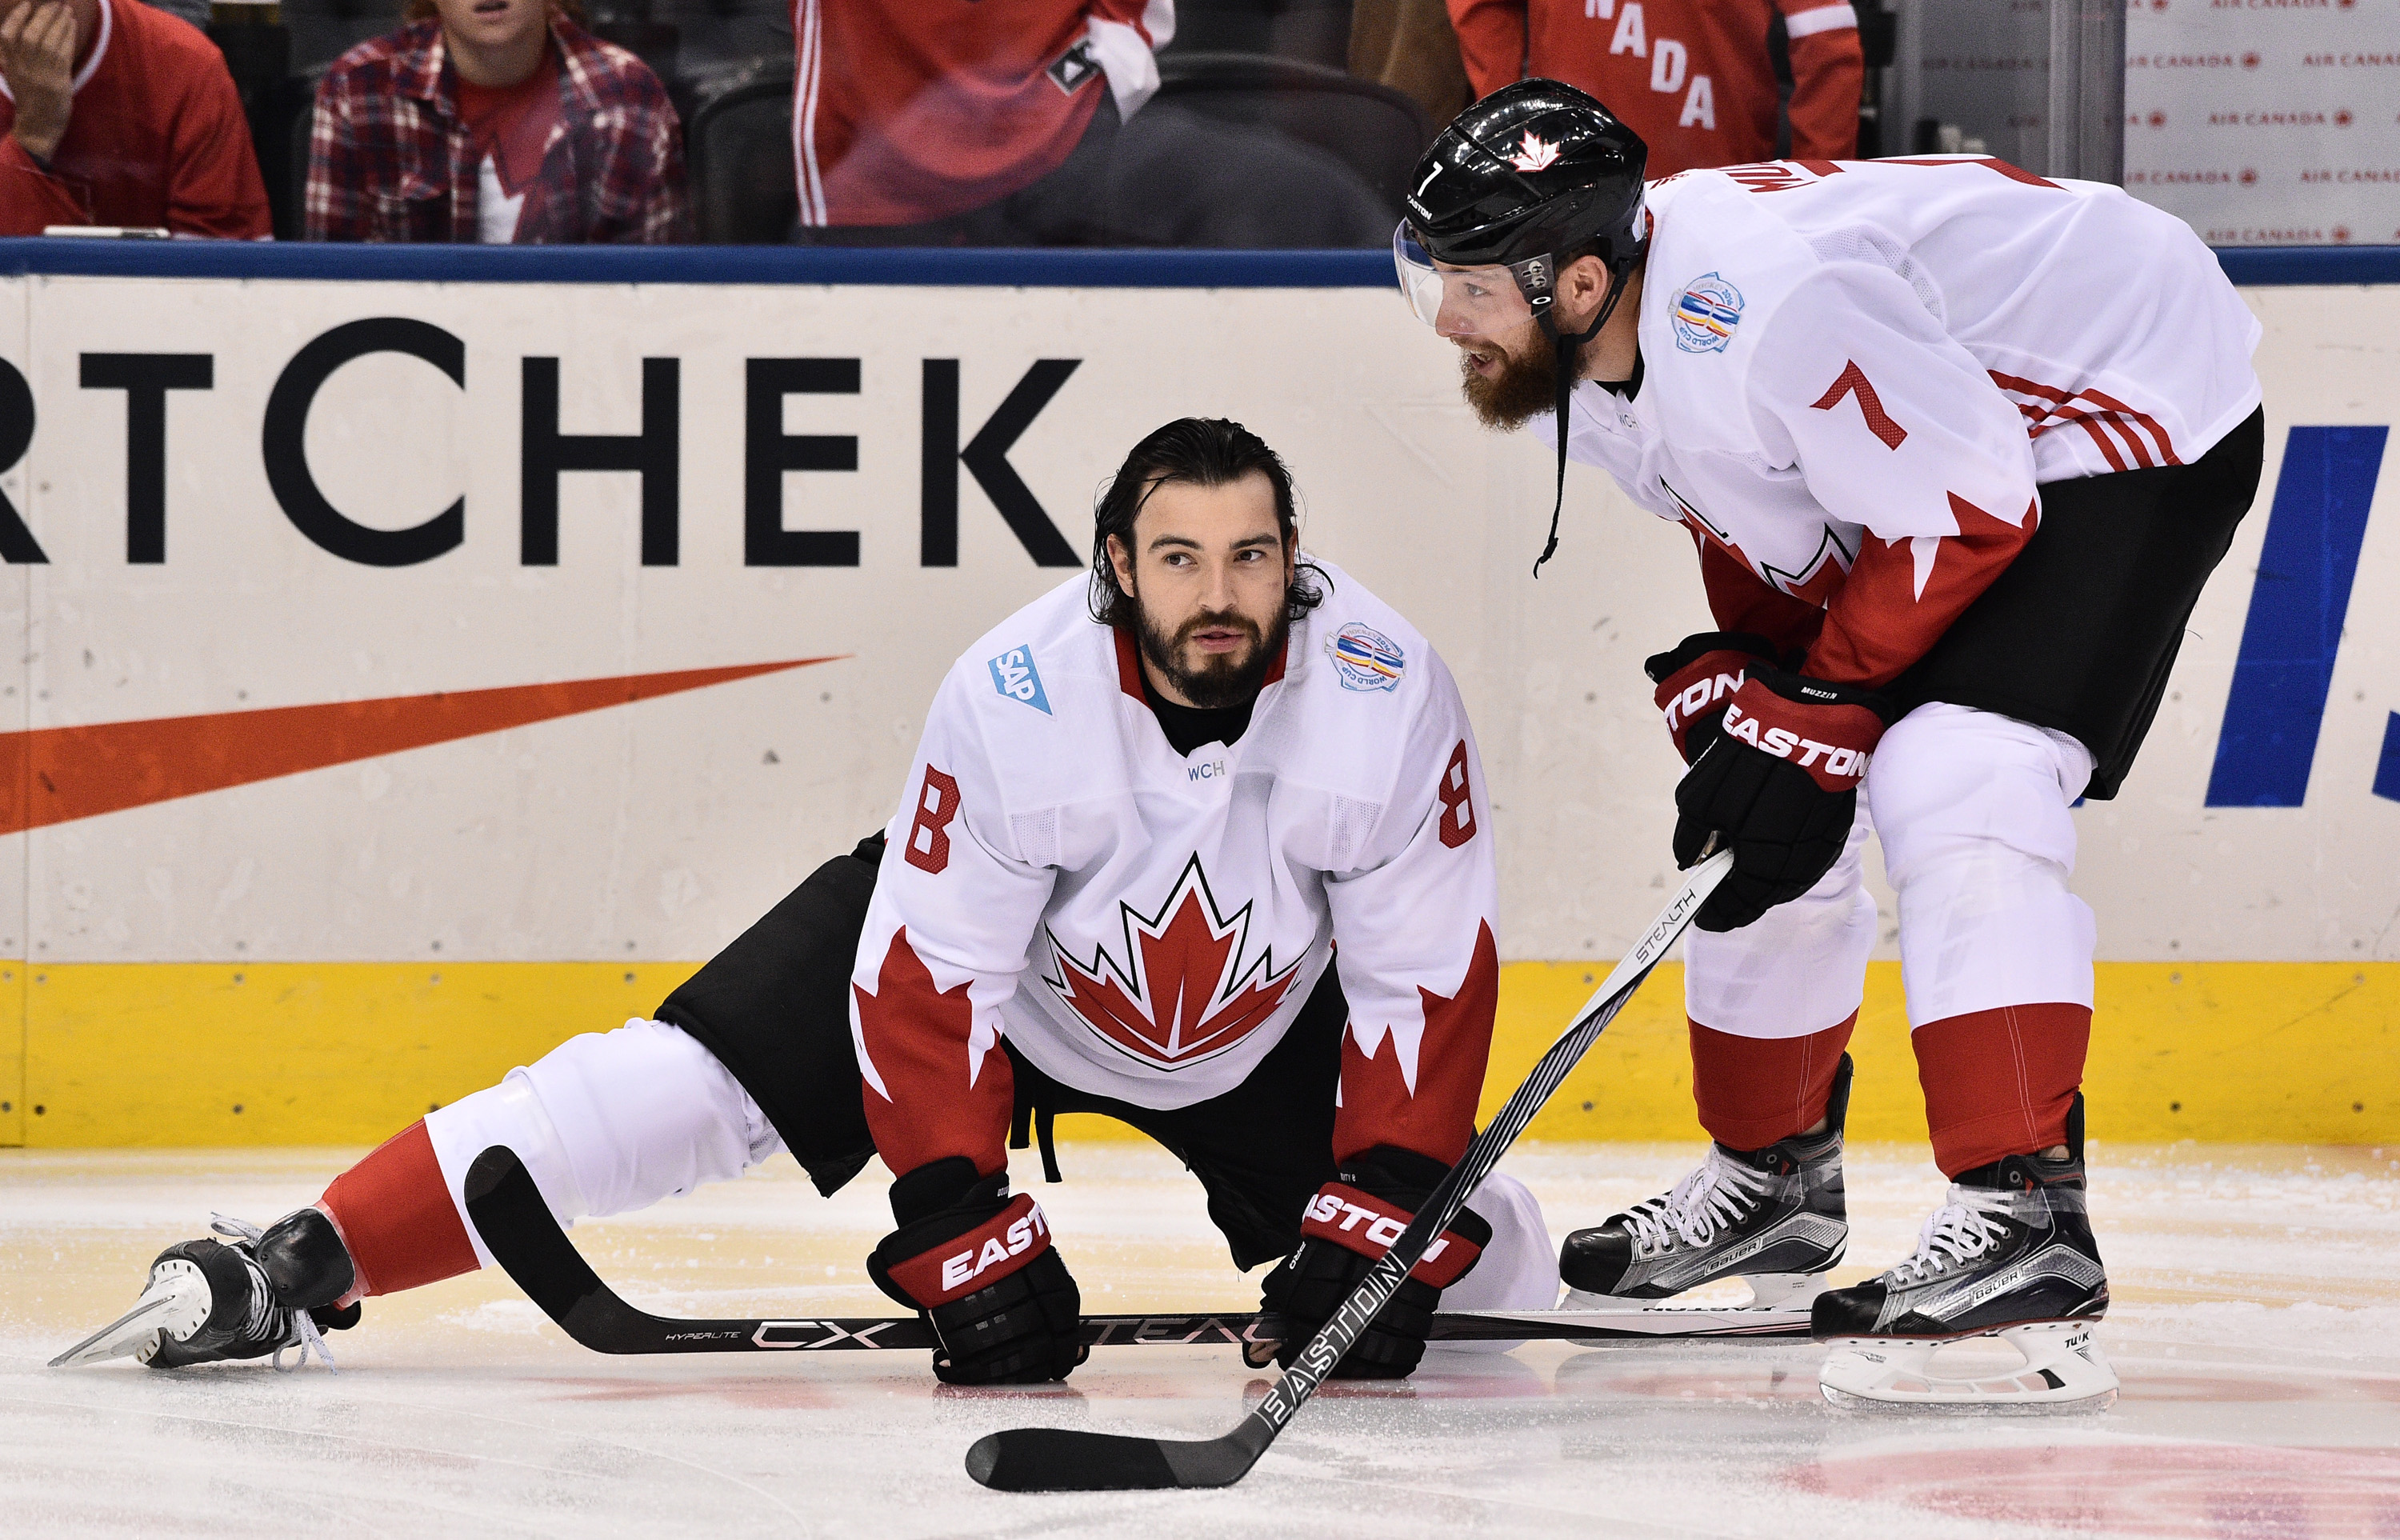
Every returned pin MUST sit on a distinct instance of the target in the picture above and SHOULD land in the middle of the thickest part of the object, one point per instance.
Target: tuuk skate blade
(175, 1303)
(2063, 1372)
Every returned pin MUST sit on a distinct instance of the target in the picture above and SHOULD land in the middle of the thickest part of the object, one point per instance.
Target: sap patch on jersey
(1706, 313)
(1012, 675)
(1365, 660)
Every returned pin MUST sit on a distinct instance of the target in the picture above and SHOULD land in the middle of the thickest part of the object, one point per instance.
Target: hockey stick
(1056, 1459)
(526, 1239)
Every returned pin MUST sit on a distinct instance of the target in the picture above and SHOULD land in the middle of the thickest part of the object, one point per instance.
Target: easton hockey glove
(1780, 787)
(1350, 1222)
(978, 1265)
(1696, 680)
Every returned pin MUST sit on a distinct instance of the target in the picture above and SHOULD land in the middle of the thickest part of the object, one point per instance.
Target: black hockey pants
(774, 1008)
(2082, 631)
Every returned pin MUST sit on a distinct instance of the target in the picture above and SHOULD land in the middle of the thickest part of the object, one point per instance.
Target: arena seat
(1376, 131)
(738, 147)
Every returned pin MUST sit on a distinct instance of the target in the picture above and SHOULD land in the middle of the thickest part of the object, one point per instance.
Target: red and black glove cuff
(1698, 678)
(1828, 729)
(978, 1259)
(1364, 1223)
(959, 1232)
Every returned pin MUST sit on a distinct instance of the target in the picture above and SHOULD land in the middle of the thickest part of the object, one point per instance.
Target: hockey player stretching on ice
(1957, 446)
(1146, 810)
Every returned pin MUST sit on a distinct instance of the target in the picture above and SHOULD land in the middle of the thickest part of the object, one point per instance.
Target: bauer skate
(1773, 1217)
(2011, 1255)
(206, 1301)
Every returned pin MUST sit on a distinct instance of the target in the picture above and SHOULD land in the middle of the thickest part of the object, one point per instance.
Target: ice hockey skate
(2011, 1255)
(207, 1300)
(1773, 1217)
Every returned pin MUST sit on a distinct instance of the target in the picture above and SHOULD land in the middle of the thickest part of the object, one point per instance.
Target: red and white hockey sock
(398, 1219)
(1999, 1083)
(1752, 1091)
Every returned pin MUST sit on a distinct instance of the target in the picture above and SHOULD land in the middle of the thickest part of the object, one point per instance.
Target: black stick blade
(1060, 1459)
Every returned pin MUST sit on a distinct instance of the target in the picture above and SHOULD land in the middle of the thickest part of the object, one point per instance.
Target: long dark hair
(1204, 452)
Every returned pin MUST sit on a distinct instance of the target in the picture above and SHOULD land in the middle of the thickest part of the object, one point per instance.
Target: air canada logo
(1187, 987)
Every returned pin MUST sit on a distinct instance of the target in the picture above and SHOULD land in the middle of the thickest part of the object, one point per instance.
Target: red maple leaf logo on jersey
(1184, 994)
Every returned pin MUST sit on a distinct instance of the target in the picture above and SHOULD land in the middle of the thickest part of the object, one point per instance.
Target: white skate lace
(1959, 1231)
(264, 1304)
(1716, 1195)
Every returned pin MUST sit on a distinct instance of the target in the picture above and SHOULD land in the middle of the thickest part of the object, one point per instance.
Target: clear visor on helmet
(1485, 301)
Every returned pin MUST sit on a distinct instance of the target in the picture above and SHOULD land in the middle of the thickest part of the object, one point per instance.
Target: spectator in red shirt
(495, 121)
(116, 113)
(1693, 77)
(1026, 123)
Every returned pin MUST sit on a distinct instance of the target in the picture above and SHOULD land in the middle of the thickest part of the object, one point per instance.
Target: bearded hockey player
(1957, 446)
(1146, 810)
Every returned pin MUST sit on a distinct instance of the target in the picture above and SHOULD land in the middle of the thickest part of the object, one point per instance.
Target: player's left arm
(1412, 930)
(1412, 933)
(1828, 69)
(1895, 427)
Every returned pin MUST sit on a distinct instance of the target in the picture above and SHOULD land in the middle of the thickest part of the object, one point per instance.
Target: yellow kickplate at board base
(296, 1052)
(2270, 1053)
(347, 1053)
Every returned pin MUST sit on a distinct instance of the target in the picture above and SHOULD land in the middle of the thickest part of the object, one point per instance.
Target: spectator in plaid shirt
(493, 121)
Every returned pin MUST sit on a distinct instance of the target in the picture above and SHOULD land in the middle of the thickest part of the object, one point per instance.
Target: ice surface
(2257, 1330)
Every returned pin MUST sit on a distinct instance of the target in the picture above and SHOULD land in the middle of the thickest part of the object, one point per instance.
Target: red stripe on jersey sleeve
(941, 1101)
(2128, 439)
(1881, 621)
(1438, 1119)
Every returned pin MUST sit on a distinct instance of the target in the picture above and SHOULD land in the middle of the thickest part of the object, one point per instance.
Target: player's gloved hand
(1780, 786)
(1696, 678)
(979, 1264)
(1353, 1220)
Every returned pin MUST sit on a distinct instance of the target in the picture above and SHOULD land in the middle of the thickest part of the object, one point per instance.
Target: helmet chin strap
(1568, 347)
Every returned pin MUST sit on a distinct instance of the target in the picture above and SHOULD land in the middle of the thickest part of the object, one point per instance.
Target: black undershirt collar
(1189, 726)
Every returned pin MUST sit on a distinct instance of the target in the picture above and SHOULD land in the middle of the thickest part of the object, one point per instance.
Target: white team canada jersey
(1903, 349)
(1144, 924)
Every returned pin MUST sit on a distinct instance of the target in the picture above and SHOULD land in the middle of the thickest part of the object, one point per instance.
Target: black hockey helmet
(1536, 170)
(1536, 175)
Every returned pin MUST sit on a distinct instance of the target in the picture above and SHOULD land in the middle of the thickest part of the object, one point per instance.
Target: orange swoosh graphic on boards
(54, 774)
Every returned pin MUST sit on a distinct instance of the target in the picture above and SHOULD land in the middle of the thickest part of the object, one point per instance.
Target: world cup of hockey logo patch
(1706, 313)
(1187, 989)
(1366, 659)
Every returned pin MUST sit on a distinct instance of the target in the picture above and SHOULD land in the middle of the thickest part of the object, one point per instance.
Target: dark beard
(1226, 681)
(1526, 387)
